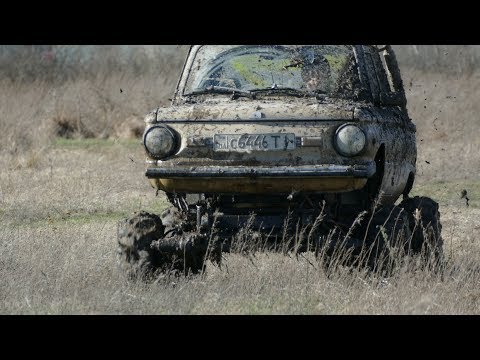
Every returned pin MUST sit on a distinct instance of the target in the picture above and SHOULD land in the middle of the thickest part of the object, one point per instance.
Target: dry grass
(105, 99)
(60, 201)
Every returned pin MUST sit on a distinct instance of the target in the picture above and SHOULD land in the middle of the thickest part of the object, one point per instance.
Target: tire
(426, 228)
(385, 234)
(170, 217)
(377, 242)
(135, 235)
(182, 252)
(182, 249)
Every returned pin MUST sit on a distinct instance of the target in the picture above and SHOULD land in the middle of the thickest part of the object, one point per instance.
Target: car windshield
(302, 69)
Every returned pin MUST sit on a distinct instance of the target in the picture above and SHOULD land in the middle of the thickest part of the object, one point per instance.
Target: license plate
(253, 142)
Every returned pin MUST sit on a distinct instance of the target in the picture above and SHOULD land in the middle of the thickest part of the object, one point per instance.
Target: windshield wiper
(222, 90)
(236, 93)
(283, 90)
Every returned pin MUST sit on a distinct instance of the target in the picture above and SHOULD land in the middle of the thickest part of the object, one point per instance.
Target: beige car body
(313, 165)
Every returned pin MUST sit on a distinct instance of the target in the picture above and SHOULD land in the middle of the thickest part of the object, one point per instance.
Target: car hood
(292, 109)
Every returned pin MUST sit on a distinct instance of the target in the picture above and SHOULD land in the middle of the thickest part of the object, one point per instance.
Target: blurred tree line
(60, 63)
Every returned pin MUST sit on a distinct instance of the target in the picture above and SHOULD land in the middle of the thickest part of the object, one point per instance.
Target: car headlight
(350, 140)
(160, 142)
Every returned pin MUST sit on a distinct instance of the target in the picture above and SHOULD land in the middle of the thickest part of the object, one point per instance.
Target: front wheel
(387, 230)
(135, 235)
(376, 241)
(426, 228)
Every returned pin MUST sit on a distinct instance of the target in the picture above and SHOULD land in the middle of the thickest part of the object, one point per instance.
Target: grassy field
(60, 200)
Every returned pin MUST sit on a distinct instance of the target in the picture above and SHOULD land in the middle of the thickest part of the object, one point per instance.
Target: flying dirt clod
(263, 140)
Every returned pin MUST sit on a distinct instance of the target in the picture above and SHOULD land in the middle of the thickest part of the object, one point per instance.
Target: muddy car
(277, 138)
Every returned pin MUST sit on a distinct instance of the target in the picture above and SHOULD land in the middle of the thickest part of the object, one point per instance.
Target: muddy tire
(385, 234)
(376, 243)
(182, 250)
(181, 253)
(171, 218)
(426, 228)
(135, 235)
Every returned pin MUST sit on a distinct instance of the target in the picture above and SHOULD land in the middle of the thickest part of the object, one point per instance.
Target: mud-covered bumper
(260, 180)
(356, 171)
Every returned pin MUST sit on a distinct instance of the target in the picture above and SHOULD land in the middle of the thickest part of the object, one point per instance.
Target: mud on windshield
(308, 70)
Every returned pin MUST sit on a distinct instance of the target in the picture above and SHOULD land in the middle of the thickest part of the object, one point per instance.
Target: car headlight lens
(160, 142)
(350, 140)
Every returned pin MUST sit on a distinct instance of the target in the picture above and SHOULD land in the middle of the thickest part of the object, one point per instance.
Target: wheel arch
(409, 184)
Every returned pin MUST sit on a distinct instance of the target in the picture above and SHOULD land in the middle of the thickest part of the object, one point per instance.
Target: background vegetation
(72, 166)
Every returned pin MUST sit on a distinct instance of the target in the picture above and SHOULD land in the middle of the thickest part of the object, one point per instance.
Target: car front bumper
(253, 172)
(261, 180)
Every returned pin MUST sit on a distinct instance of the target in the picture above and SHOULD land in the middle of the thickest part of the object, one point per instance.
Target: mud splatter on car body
(272, 129)
(313, 120)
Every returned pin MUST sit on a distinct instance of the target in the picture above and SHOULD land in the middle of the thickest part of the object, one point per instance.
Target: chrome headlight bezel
(172, 147)
(341, 148)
